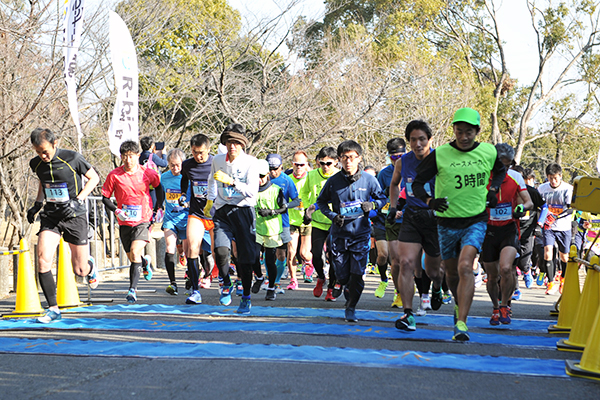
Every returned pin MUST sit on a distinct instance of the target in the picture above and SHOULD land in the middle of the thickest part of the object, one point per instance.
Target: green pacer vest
(463, 177)
(268, 226)
(297, 214)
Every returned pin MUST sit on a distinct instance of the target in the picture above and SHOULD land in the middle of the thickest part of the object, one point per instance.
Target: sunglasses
(394, 157)
(262, 176)
(273, 168)
(299, 164)
(324, 163)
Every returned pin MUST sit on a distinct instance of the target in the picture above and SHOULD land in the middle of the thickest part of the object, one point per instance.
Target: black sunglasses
(328, 163)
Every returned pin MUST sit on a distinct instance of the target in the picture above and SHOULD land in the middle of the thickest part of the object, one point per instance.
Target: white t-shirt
(244, 191)
(558, 200)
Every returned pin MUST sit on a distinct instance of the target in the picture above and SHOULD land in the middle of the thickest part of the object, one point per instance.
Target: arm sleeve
(498, 174)
(184, 182)
(323, 203)
(161, 162)
(160, 197)
(377, 195)
(109, 204)
(425, 172)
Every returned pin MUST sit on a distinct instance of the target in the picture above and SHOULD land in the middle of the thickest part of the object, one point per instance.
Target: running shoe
(49, 316)
(437, 299)
(516, 295)
(406, 323)
(271, 295)
(257, 284)
(188, 282)
(350, 315)
(225, 298)
(337, 290)
(147, 267)
(278, 289)
(244, 307)
(461, 332)
(447, 298)
(92, 278)
(293, 285)
(318, 290)
(426, 303)
(308, 273)
(380, 291)
(172, 289)
(182, 260)
(560, 287)
(504, 315)
(239, 289)
(195, 298)
(552, 287)
(329, 295)
(131, 296)
(265, 285)
(397, 303)
(495, 320)
(540, 279)
(528, 279)
(205, 283)
(478, 279)
(420, 312)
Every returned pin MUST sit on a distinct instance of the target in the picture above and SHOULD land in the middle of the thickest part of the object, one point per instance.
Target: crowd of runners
(440, 218)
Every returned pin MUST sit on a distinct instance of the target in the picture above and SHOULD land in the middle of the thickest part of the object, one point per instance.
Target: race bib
(556, 209)
(351, 209)
(300, 207)
(133, 213)
(200, 189)
(385, 209)
(502, 212)
(409, 191)
(56, 192)
(172, 196)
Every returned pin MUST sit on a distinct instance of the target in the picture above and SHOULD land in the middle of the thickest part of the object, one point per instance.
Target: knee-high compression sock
(135, 270)
(382, 272)
(245, 270)
(332, 277)
(170, 266)
(280, 270)
(563, 268)
(48, 287)
(423, 284)
(271, 264)
(222, 255)
(355, 287)
(549, 266)
(206, 263)
(193, 272)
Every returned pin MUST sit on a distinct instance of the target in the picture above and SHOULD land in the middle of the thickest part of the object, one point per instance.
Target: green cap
(467, 115)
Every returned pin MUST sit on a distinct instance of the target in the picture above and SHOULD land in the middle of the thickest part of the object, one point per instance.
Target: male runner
(462, 169)
(233, 186)
(130, 184)
(60, 172)
(419, 228)
(195, 173)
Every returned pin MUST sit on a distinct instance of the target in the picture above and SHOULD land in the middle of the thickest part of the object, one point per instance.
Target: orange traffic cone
(570, 296)
(589, 366)
(67, 294)
(28, 300)
(589, 305)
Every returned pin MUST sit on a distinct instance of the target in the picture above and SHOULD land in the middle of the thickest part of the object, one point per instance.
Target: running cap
(263, 167)
(274, 160)
(467, 115)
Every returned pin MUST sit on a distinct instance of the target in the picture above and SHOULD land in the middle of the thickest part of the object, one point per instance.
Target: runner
(386, 239)
(320, 224)
(60, 174)
(557, 228)
(153, 159)
(130, 184)
(462, 170)
(195, 173)
(501, 243)
(233, 186)
(352, 195)
(300, 233)
(418, 233)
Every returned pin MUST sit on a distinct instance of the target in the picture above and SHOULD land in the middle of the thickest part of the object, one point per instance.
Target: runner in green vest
(462, 169)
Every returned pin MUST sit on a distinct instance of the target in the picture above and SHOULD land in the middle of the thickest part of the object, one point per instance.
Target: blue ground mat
(288, 353)
(258, 311)
(103, 324)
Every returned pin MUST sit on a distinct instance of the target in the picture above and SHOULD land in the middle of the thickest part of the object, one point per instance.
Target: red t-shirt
(132, 191)
(507, 199)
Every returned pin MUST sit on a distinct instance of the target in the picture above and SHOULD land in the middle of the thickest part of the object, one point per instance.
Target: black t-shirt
(529, 221)
(61, 177)
(197, 175)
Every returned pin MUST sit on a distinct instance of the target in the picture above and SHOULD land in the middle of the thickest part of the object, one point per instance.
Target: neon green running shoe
(461, 332)
(380, 291)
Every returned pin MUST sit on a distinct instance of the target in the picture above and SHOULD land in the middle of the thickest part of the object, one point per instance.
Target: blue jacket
(345, 198)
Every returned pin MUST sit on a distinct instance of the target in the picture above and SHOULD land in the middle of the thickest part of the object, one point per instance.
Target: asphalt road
(254, 375)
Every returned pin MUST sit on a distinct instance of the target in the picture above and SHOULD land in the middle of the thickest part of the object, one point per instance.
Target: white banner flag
(124, 124)
(73, 26)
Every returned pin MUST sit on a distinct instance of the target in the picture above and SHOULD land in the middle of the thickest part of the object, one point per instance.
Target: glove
(207, 207)
(439, 204)
(307, 219)
(367, 206)
(222, 177)
(72, 207)
(391, 217)
(265, 212)
(31, 213)
(122, 215)
(183, 203)
(518, 212)
(492, 200)
(339, 220)
(158, 216)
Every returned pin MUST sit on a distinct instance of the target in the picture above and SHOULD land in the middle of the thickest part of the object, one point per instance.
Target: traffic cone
(67, 294)
(589, 366)
(589, 304)
(28, 300)
(570, 296)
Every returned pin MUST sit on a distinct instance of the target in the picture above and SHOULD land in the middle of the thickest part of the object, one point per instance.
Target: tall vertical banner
(73, 26)
(124, 123)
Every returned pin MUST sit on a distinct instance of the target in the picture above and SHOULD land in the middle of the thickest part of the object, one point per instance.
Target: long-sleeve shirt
(244, 190)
